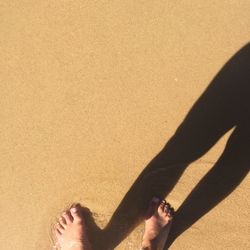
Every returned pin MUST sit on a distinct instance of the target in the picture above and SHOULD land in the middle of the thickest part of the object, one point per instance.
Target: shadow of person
(224, 105)
(219, 182)
(228, 97)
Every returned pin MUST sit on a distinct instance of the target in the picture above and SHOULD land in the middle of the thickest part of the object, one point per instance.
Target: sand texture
(91, 91)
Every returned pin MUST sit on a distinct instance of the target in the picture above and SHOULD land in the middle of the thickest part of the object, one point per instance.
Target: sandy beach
(90, 92)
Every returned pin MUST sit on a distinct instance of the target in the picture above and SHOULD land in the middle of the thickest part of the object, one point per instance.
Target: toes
(60, 228)
(75, 213)
(162, 206)
(166, 209)
(163, 202)
(62, 221)
(67, 217)
(57, 233)
(169, 211)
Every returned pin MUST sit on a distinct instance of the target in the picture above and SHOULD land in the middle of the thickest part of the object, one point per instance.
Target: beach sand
(90, 92)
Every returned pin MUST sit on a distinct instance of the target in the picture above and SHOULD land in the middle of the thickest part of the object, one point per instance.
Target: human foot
(70, 231)
(157, 225)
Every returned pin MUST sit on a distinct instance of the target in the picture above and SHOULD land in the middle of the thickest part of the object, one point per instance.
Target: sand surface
(90, 91)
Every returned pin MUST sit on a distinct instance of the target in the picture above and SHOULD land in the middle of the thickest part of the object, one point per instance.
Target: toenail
(166, 209)
(74, 210)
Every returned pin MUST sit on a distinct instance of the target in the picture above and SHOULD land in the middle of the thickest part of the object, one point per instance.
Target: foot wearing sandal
(70, 231)
(157, 225)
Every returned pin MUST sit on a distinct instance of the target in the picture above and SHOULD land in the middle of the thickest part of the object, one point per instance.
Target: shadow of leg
(163, 172)
(217, 111)
(217, 184)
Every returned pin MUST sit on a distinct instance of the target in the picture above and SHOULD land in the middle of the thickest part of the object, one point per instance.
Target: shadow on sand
(224, 105)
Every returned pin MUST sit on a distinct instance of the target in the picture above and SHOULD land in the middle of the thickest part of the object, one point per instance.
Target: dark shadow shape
(224, 105)
(232, 86)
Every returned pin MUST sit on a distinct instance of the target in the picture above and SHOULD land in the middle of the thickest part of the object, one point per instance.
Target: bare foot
(157, 225)
(70, 231)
